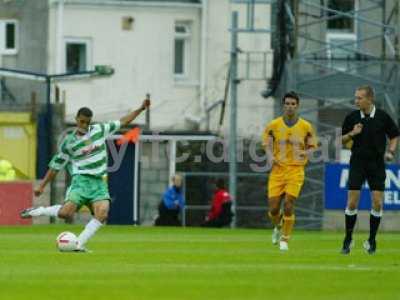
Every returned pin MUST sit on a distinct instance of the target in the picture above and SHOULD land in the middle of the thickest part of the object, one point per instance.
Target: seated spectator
(171, 204)
(220, 214)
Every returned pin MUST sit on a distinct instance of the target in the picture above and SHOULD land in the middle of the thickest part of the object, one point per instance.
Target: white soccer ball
(67, 241)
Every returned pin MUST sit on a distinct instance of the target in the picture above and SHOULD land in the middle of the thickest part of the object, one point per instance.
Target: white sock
(88, 232)
(50, 211)
(376, 213)
(350, 212)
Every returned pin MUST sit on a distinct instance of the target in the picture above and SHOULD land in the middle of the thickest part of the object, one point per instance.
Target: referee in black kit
(368, 129)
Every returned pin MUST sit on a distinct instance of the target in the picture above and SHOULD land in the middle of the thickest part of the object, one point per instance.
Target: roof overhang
(121, 3)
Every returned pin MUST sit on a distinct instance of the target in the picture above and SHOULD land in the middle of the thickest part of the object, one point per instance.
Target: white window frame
(74, 40)
(3, 25)
(186, 37)
(339, 36)
(330, 36)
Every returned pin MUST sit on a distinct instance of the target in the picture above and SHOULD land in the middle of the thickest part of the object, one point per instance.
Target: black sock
(373, 226)
(350, 221)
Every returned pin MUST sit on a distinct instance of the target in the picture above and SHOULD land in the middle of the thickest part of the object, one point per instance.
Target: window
(342, 48)
(181, 49)
(341, 34)
(8, 37)
(77, 55)
(341, 23)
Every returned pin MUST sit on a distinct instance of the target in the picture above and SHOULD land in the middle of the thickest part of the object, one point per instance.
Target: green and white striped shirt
(85, 154)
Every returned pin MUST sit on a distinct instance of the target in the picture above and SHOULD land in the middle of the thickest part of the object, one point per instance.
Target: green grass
(176, 263)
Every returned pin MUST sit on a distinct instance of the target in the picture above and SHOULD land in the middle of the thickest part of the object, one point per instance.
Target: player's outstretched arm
(50, 175)
(125, 120)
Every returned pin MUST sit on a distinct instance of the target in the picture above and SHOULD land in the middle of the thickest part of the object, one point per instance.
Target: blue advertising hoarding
(336, 179)
(120, 183)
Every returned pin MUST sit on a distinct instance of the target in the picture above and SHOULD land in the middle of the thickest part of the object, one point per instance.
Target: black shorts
(370, 170)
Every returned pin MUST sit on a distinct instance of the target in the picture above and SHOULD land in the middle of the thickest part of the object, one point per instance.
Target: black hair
(85, 111)
(220, 183)
(291, 94)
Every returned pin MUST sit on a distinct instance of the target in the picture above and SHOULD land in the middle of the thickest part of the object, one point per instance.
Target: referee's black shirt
(371, 142)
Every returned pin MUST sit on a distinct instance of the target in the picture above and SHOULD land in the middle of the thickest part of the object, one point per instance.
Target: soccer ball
(67, 241)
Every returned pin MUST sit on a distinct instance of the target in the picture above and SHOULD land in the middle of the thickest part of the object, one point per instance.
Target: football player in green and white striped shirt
(84, 151)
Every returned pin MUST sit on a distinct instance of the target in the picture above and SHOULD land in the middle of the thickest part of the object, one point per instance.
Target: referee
(367, 129)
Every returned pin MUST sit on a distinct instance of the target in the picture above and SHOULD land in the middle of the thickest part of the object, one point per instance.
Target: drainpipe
(59, 37)
(1, 65)
(203, 62)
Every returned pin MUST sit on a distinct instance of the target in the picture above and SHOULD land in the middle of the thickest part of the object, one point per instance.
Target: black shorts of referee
(370, 170)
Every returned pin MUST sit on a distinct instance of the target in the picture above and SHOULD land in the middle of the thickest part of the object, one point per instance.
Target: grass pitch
(178, 263)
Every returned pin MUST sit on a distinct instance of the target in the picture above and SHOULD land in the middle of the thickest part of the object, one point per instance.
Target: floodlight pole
(233, 116)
